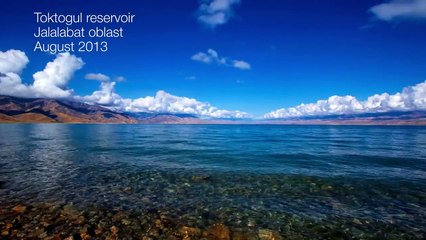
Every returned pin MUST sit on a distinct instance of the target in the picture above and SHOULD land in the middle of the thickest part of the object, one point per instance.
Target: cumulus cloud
(400, 9)
(162, 102)
(409, 99)
(212, 56)
(241, 65)
(165, 102)
(97, 77)
(12, 61)
(11, 84)
(52, 81)
(104, 96)
(215, 12)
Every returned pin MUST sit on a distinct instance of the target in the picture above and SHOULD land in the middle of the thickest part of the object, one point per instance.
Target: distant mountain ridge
(379, 118)
(41, 110)
(13, 109)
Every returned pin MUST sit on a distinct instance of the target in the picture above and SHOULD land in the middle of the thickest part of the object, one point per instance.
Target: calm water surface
(358, 181)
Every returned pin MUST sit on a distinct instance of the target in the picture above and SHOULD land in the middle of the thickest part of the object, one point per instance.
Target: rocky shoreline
(66, 221)
(53, 221)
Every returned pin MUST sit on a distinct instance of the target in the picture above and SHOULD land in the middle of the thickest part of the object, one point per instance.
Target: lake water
(300, 182)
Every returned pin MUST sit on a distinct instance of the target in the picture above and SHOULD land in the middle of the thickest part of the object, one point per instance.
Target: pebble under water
(61, 181)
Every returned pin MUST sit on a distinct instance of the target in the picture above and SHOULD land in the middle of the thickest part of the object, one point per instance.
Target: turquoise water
(300, 181)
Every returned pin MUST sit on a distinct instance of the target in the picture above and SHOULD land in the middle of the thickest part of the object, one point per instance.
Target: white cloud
(13, 61)
(162, 102)
(103, 78)
(97, 77)
(120, 79)
(410, 98)
(400, 9)
(165, 102)
(104, 96)
(11, 85)
(52, 81)
(215, 12)
(241, 65)
(212, 56)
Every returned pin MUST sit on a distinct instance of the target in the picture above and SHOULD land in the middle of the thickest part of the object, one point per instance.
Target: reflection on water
(244, 176)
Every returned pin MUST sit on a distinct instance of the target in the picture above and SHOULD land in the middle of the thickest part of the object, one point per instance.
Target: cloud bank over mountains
(53, 81)
(165, 102)
(411, 98)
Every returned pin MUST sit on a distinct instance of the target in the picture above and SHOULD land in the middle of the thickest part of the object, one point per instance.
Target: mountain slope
(13, 109)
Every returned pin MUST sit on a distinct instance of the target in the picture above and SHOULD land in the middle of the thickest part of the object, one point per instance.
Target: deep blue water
(244, 175)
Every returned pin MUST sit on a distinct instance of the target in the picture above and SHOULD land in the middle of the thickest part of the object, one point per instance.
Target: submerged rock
(42, 235)
(244, 236)
(267, 234)
(111, 237)
(19, 209)
(5, 233)
(200, 178)
(85, 236)
(80, 220)
(74, 237)
(154, 232)
(114, 230)
(119, 216)
(70, 211)
(126, 222)
(54, 237)
(218, 232)
(159, 224)
(251, 222)
(188, 232)
(98, 231)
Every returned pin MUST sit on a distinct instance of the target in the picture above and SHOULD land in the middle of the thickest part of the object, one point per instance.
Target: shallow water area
(206, 181)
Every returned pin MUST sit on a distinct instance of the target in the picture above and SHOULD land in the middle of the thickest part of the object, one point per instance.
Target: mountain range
(41, 110)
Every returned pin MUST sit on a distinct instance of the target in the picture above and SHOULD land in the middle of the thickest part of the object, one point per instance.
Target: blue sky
(298, 51)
